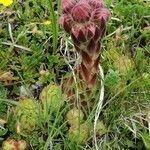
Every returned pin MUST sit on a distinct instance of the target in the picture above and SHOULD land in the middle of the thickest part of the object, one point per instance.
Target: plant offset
(50, 83)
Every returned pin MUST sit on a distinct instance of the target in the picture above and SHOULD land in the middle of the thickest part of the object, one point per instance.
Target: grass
(30, 59)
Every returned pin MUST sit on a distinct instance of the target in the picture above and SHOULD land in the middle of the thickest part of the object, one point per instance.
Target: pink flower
(83, 17)
(85, 21)
(67, 5)
(81, 12)
(96, 3)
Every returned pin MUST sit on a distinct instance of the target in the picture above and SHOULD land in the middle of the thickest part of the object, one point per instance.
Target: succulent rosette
(79, 134)
(123, 64)
(27, 112)
(11, 144)
(74, 116)
(51, 97)
(101, 128)
(85, 21)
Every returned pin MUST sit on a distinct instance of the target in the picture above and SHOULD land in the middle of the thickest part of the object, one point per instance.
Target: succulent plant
(119, 87)
(79, 134)
(22, 145)
(11, 144)
(100, 128)
(123, 64)
(26, 112)
(74, 116)
(85, 21)
(112, 78)
(51, 96)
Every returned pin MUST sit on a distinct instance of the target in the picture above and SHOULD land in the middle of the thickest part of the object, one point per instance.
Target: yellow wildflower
(6, 2)
(47, 22)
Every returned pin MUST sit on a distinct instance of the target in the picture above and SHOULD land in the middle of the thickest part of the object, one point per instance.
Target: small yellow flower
(47, 22)
(6, 2)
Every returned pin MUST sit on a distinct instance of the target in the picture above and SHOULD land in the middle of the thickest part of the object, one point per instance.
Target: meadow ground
(35, 52)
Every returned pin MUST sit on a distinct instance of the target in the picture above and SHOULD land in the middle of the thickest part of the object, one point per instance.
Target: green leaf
(146, 141)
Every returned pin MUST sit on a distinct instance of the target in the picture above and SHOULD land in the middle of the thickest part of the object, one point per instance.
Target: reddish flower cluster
(85, 21)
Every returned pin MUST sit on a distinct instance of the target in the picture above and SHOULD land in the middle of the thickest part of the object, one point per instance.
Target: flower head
(83, 17)
(6, 2)
(81, 12)
(85, 21)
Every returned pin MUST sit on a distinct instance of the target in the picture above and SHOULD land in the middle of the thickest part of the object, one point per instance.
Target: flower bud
(99, 14)
(81, 12)
(66, 5)
(96, 3)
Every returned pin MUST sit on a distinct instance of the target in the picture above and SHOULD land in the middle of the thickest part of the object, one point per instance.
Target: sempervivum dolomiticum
(26, 112)
(85, 21)
(11, 144)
